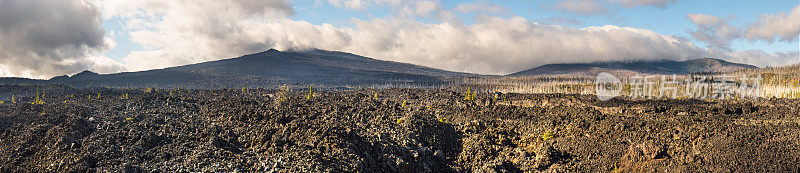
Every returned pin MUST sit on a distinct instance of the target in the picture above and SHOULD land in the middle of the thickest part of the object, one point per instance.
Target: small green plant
(470, 95)
(38, 101)
(310, 92)
(282, 94)
(547, 135)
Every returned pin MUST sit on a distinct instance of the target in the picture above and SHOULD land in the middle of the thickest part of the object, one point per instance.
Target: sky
(46, 38)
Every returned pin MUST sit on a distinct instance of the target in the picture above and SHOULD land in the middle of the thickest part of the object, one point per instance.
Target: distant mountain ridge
(268, 69)
(331, 69)
(704, 65)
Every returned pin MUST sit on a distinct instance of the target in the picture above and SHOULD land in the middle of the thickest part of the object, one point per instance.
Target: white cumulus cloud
(44, 38)
(196, 32)
(714, 31)
(782, 26)
(184, 32)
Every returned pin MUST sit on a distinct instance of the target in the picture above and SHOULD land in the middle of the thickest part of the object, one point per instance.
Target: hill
(268, 69)
(705, 65)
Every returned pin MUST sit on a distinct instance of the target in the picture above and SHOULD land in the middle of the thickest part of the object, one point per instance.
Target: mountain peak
(86, 73)
(273, 68)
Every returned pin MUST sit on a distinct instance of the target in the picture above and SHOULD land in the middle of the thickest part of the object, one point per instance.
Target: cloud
(718, 34)
(595, 7)
(581, 6)
(500, 46)
(638, 3)
(759, 57)
(182, 32)
(704, 19)
(39, 39)
(491, 45)
(212, 30)
(480, 7)
(353, 4)
(361, 4)
(714, 31)
(404, 8)
(560, 21)
(782, 26)
(421, 8)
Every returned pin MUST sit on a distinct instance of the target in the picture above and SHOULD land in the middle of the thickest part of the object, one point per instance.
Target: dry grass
(530, 85)
(779, 82)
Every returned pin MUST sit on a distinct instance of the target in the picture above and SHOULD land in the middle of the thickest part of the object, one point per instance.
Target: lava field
(392, 130)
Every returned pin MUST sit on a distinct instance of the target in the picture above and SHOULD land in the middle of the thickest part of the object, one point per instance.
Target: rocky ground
(399, 130)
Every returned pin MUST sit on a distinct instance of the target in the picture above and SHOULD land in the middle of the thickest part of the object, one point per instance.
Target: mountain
(705, 65)
(331, 69)
(269, 69)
